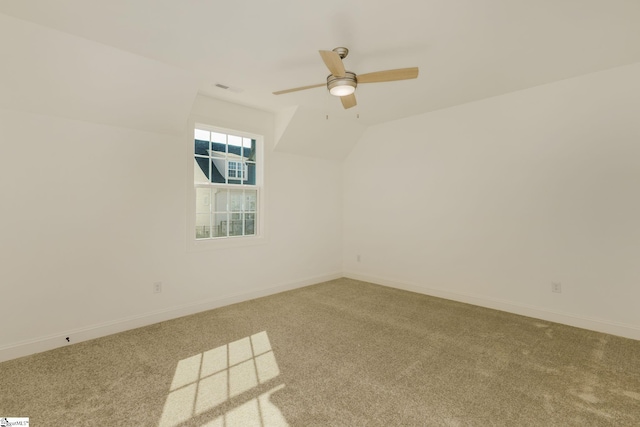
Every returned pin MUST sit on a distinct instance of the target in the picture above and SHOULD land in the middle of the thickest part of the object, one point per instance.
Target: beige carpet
(341, 353)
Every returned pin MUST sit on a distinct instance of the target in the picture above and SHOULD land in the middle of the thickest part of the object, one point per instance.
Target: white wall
(491, 202)
(91, 215)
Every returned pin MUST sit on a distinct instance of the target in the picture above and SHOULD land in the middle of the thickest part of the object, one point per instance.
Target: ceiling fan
(343, 83)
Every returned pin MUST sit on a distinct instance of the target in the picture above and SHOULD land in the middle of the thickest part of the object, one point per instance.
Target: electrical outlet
(157, 287)
(358, 258)
(556, 287)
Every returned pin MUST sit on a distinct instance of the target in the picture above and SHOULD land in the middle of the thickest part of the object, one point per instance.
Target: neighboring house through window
(227, 184)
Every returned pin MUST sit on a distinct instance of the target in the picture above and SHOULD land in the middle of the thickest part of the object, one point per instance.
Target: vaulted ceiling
(140, 63)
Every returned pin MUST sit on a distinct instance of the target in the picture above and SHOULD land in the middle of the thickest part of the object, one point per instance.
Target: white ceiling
(166, 50)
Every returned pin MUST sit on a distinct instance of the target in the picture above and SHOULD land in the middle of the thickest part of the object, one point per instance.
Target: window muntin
(226, 190)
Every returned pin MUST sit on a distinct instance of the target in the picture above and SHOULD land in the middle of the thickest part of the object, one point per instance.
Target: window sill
(203, 245)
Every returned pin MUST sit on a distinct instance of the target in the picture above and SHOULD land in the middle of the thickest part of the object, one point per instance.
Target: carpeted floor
(340, 353)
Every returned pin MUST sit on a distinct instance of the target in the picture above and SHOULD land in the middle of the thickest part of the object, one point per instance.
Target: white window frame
(194, 244)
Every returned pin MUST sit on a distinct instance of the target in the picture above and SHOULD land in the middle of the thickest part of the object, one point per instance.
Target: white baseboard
(598, 325)
(53, 341)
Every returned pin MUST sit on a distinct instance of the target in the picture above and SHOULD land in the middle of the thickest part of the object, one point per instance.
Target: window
(237, 170)
(227, 184)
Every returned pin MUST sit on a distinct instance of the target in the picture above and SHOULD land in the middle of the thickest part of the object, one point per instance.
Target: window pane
(237, 170)
(235, 153)
(202, 135)
(219, 225)
(218, 171)
(249, 149)
(218, 145)
(235, 141)
(249, 223)
(235, 200)
(203, 201)
(201, 147)
(220, 200)
(250, 179)
(233, 170)
(201, 170)
(203, 228)
(250, 200)
(220, 138)
(218, 151)
(203, 217)
(235, 224)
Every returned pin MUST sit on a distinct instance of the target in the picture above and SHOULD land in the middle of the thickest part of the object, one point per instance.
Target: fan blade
(348, 101)
(333, 62)
(295, 89)
(388, 75)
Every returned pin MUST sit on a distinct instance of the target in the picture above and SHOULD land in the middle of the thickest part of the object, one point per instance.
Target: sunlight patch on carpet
(232, 372)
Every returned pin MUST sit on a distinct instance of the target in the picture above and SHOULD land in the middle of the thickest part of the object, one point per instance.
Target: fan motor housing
(335, 83)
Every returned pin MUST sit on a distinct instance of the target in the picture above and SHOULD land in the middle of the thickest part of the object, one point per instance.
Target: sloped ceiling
(140, 63)
(50, 72)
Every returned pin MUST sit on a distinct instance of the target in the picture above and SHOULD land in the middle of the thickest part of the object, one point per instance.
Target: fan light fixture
(342, 86)
(342, 90)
